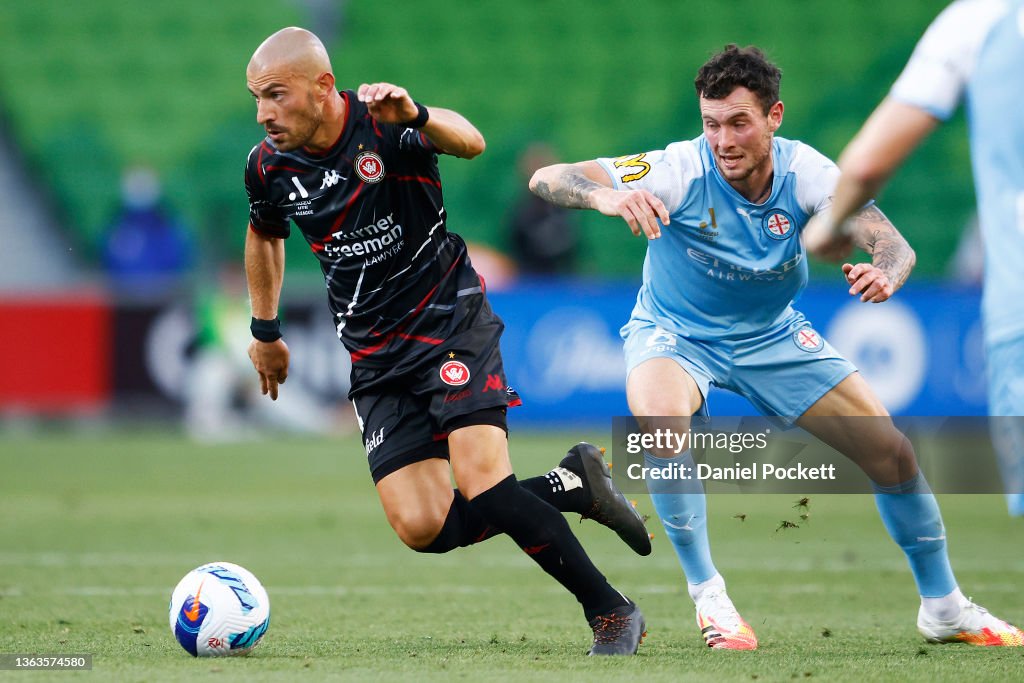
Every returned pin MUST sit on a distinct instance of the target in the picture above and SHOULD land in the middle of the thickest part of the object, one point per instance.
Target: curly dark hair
(734, 67)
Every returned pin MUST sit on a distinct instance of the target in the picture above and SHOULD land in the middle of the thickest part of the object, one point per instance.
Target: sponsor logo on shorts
(376, 439)
(660, 341)
(494, 383)
(661, 338)
(454, 373)
(458, 396)
(778, 224)
(369, 167)
(808, 340)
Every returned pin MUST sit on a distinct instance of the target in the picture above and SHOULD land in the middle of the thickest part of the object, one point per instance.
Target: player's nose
(725, 139)
(264, 112)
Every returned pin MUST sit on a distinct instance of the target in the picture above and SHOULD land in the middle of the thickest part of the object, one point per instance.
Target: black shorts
(406, 418)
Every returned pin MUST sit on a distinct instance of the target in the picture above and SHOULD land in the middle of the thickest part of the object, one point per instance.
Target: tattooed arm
(892, 259)
(587, 186)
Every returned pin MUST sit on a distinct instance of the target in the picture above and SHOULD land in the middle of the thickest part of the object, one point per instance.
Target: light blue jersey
(719, 283)
(977, 47)
(725, 268)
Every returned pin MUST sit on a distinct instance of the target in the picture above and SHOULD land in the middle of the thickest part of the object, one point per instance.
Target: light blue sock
(911, 515)
(681, 505)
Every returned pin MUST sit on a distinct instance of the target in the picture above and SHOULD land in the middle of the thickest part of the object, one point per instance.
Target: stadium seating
(89, 87)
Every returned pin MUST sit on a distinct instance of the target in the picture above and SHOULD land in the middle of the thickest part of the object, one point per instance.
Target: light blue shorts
(782, 371)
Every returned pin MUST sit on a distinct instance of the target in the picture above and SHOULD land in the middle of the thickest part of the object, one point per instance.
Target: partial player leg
(421, 507)
(480, 463)
(1005, 365)
(908, 509)
(662, 395)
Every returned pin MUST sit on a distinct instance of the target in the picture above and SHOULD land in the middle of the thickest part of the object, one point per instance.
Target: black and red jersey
(372, 212)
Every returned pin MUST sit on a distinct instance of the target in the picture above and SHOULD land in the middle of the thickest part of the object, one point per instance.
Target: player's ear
(775, 116)
(325, 84)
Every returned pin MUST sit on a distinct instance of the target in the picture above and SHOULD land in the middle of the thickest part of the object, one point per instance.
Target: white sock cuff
(697, 589)
(945, 608)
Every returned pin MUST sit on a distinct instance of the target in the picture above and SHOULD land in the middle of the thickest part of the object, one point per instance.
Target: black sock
(463, 526)
(543, 534)
(561, 488)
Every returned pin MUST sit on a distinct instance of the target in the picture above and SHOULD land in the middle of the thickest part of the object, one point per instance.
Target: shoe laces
(975, 606)
(976, 614)
(608, 628)
(716, 604)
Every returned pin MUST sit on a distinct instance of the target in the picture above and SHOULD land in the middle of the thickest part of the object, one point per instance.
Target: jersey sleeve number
(636, 166)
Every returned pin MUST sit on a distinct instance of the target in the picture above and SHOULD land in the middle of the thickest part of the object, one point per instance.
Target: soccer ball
(219, 609)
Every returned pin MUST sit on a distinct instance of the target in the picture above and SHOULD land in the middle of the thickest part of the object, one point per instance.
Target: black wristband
(422, 116)
(266, 330)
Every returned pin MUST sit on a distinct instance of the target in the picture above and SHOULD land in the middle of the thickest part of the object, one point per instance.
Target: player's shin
(463, 526)
(681, 504)
(544, 535)
(911, 516)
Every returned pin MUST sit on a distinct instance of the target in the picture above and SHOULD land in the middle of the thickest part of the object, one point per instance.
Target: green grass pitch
(95, 531)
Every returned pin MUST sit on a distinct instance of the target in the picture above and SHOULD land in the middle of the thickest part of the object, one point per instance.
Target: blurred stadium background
(103, 98)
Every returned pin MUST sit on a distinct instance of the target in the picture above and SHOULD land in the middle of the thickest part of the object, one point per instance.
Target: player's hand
(641, 210)
(387, 103)
(826, 241)
(271, 362)
(869, 281)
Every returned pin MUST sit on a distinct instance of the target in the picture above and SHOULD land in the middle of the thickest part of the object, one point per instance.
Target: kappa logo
(369, 167)
(494, 383)
(454, 373)
(331, 178)
(808, 340)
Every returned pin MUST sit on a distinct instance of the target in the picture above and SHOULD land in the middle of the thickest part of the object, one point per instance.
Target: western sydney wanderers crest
(778, 224)
(808, 340)
(369, 166)
(454, 373)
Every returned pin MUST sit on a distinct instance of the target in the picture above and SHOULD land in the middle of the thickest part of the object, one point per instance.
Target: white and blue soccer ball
(219, 609)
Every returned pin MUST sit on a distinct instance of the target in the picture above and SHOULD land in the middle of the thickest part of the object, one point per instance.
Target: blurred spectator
(145, 245)
(544, 237)
(222, 402)
(497, 270)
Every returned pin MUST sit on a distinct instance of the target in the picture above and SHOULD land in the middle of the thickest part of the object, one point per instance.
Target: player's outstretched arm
(889, 135)
(451, 132)
(892, 258)
(586, 186)
(264, 272)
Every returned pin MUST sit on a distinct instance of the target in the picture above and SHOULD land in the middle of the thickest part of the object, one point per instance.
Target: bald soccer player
(356, 172)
